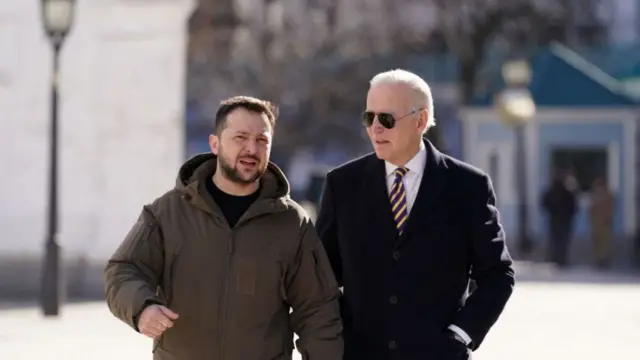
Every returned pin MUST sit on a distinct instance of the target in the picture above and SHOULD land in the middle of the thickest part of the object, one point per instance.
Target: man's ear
(422, 120)
(214, 143)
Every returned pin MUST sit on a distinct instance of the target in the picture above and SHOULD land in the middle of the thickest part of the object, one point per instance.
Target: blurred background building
(140, 83)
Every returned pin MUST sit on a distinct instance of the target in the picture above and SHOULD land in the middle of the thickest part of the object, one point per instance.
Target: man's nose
(377, 127)
(251, 147)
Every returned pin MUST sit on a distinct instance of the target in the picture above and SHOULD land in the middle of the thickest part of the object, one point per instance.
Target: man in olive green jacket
(212, 268)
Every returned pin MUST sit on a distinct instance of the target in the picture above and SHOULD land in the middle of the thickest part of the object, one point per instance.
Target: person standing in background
(601, 215)
(559, 202)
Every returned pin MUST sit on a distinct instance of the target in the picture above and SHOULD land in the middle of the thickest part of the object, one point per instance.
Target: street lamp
(516, 108)
(57, 18)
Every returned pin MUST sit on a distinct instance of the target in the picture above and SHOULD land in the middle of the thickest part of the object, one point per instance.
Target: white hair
(415, 83)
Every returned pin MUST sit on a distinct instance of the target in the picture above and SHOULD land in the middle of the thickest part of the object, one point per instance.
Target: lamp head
(57, 18)
(516, 73)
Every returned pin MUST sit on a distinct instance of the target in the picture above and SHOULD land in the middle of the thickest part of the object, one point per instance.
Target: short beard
(232, 173)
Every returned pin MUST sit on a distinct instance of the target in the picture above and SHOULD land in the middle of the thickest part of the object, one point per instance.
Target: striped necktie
(398, 198)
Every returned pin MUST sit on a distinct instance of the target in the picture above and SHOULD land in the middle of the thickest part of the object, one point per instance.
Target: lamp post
(57, 18)
(516, 108)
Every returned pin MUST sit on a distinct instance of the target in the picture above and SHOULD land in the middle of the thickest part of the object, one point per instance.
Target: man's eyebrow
(247, 133)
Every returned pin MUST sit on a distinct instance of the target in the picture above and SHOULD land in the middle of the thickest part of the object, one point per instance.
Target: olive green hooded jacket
(233, 288)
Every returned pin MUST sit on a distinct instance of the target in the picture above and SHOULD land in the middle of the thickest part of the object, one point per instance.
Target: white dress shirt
(411, 182)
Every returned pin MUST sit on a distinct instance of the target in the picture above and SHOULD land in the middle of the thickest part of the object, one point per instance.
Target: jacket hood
(273, 184)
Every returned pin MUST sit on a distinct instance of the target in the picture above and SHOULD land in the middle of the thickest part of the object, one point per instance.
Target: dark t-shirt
(232, 206)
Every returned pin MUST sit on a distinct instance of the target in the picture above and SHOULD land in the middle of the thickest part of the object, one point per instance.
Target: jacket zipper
(223, 302)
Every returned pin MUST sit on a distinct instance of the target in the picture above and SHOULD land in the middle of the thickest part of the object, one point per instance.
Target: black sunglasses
(385, 119)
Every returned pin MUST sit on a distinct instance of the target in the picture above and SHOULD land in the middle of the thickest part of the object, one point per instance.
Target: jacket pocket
(137, 242)
(134, 242)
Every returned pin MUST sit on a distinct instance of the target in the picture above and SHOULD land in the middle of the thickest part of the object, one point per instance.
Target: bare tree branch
(470, 26)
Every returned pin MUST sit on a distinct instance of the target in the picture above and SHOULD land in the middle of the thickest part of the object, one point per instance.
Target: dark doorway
(586, 164)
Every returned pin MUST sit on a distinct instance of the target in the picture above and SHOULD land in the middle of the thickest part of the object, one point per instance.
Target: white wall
(122, 81)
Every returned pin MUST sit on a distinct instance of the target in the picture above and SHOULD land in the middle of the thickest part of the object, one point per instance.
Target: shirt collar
(416, 164)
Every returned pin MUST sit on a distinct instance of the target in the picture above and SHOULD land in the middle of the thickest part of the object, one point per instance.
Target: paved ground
(590, 319)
